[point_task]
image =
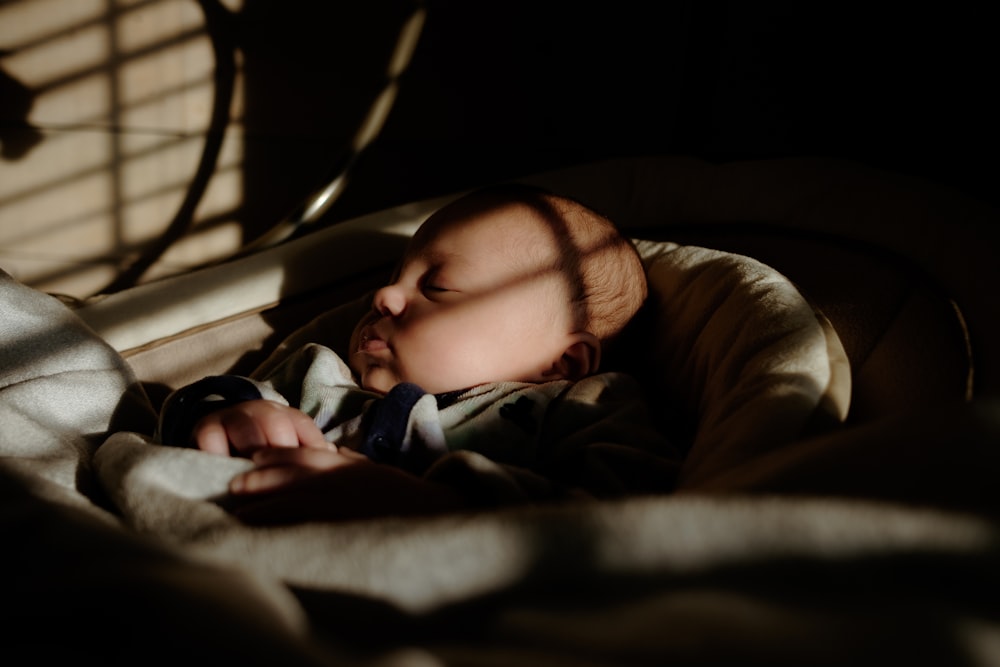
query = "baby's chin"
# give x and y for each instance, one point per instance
(377, 379)
(381, 379)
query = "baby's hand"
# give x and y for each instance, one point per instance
(253, 425)
(305, 484)
(278, 468)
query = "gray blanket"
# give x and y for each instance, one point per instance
(118, 549)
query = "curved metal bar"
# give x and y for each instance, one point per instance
(320, 201)
(314, 206)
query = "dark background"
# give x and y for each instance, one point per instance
(503, 89)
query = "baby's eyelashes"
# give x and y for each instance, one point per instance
(439, 293)
(432, 284)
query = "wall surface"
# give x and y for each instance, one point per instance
(127, 123)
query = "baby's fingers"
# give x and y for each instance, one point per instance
(261, 480)
(311, 458)
(279, 467)
(308, 434)
(210, 436)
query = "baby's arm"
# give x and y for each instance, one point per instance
(253, 425)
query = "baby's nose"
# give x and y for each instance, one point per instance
(389, 301)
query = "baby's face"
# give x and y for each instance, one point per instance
(468, 306)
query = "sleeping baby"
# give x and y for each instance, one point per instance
(472, 381)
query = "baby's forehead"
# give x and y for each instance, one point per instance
(486, 244)
(501, 219)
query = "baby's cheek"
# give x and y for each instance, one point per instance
(436, 365)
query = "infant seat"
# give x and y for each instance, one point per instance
(896, 339)
(842, 463)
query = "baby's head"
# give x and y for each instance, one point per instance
(506, 283)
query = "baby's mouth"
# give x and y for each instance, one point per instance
(370, 340)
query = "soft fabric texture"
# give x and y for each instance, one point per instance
(61, 390)
(738, 349)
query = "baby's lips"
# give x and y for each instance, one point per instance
(370, 341)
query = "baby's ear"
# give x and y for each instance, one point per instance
(581, 357)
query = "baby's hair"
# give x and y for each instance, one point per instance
(603, 267)
(611, 279)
